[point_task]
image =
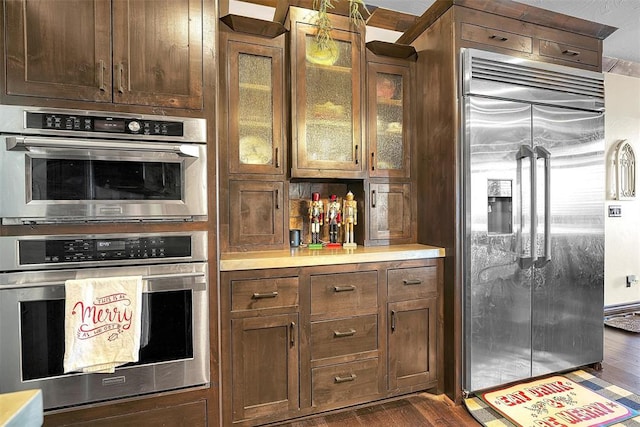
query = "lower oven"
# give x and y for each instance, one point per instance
(174, 343)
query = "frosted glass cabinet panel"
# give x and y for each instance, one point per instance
(388, 136)
(255, 114)
(326, 103)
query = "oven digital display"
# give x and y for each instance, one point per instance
(110, 245)
(108, 125)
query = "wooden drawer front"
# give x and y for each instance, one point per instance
(502, 39)
(344, 336)
(345, 382)
(568, 53)
(412, 283)
(264, 293)
(344, 293)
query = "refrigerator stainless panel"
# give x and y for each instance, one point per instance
(568, 289)
(497, 291)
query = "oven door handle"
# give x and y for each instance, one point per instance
(161, 283)
(18, 143)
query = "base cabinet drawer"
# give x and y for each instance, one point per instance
(412, 283)
(344, 293)
(344, 336)
(346, 382)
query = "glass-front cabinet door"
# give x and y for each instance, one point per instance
(326, 102)
(388, 121)
(256, 80)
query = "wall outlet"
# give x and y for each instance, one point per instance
(631, 280)
(615, 211)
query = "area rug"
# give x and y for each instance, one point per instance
(579, 400)
(627, 321)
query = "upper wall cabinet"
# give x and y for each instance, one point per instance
(327, 101)
(255, 104)
(127, 52)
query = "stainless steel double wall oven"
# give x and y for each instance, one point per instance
(71, 167)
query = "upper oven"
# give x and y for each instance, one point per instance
(82, 166)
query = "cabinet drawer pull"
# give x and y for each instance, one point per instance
(349, 333)
(277, 158)
(499, 38)
(101, 85)
(412, 282)
(356, 155)
(277, 199)
(120, 75)
(570, 52)
(339, 380)
(257, 295)
(344, 288)
(292, 332)
(373, 161)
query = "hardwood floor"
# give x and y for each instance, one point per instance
(621, 366)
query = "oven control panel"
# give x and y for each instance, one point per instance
(53, 251)
(101, 124)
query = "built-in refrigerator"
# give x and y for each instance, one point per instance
(533, 197)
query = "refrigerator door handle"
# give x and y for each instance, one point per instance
(543, 153)
(525, 262)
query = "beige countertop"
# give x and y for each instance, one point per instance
(21, 409)
(303, 257)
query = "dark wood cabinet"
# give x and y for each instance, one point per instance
(116, 51)
(298, 341)
(327, 99)
(412, 334)
(253, 141)
(59, 49)
(389, 118)
(264, 365)
(256, 213)
(390, 213)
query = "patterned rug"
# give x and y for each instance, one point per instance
(627, 321)
(489, 417)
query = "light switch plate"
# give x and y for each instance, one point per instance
(615, 211)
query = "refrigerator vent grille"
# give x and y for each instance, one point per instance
(539, 78)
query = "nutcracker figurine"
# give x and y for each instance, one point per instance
(316, 218)
(349, 218)
(334, 219)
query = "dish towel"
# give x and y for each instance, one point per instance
(102, 323)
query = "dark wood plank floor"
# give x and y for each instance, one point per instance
(621, 366)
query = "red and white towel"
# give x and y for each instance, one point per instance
(102, 323)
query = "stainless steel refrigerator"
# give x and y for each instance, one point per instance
(533, 196)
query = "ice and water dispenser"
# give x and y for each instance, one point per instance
(499, 206)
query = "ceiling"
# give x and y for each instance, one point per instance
(623, 14)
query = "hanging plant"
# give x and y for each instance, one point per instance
(324, 40)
